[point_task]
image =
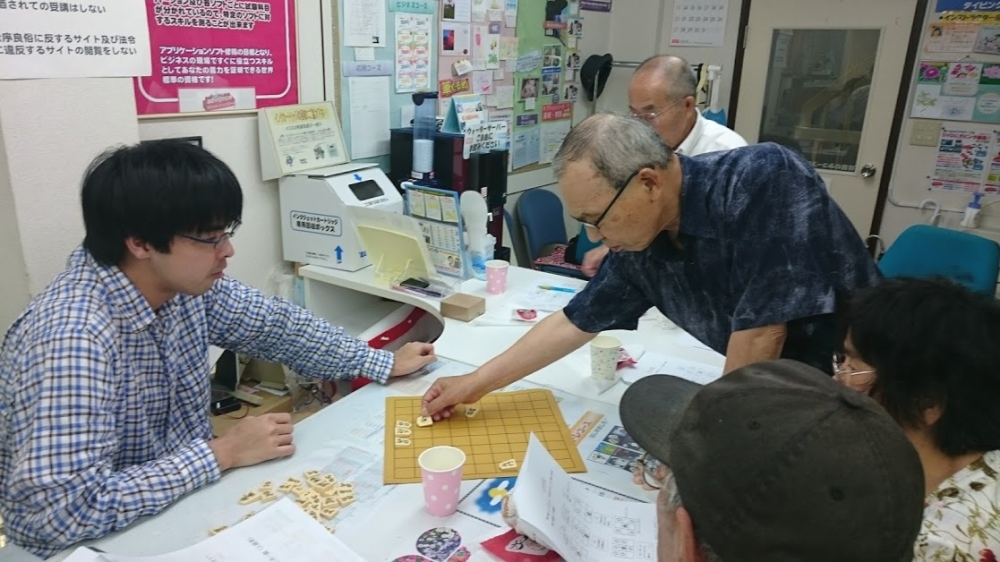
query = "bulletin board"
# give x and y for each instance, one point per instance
(498, 33)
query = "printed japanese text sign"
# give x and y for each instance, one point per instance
(219, 56)
(97, 38)
(968, 6)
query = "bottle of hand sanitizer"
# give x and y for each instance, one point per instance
(971, 218)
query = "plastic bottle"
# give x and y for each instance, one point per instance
(971, 218)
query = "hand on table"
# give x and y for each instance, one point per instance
(411, 358)
(253, 440)
(593, 259)
(448, 392)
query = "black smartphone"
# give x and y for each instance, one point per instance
(415, 283)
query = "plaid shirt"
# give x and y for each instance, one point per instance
(104, 402)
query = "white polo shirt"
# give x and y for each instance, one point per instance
(709, 136)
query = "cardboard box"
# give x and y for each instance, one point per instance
(463, 307)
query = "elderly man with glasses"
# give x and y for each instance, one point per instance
(104, 387)
(744, 249)
(662, 93)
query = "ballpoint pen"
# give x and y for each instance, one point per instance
(560, 289)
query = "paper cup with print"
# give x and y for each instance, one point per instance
(604, 359)
(441, 472)
(496, 276)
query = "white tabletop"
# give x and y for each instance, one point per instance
(344, 423)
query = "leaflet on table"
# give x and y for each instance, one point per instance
(579, 525)
(437, 212)
(279, 533)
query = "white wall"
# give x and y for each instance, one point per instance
(914, 165)
(641, 28)
(13, 274)
(52, 129)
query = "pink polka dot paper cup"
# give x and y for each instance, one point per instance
(496, 276)
(441, 472)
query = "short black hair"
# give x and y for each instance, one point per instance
(153, 191)
(932, 343)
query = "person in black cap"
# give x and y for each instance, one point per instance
(776, 462)
(927, 351)
(743, 249)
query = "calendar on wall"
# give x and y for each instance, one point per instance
(699, 23)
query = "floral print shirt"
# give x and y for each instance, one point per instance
(962, 517)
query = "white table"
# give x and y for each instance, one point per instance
(355, 301)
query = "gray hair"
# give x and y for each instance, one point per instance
(616, 145)
(675, 71)
(668, 501)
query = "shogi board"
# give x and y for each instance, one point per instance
(498, 432)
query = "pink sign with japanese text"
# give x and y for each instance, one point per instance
(219, 55)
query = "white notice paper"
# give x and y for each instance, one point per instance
(578, 523)
(279, 532)
(369, 115)
(699, 23)
(364, 23)
(27, 54)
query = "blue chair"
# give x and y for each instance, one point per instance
(541, 214)
(584, 244)
(929, 251)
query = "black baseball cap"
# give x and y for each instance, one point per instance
(777, 461)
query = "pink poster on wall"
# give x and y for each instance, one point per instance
(219, 56)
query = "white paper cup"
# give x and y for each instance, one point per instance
(604, 358)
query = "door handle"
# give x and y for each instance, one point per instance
(868, 170)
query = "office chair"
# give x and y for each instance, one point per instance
(541, 214)
(924, 251)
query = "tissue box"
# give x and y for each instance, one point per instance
(463, 307)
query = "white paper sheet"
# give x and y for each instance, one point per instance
(553, 133)
(364, 53)
(364, 23)
(580, 525)
(413, 52)
(369, 115)
(456, 39)
(280, 533)
(456, 10)
(699, 23)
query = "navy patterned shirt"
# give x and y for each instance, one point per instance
(763, 243)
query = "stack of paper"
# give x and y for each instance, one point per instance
(281, 532)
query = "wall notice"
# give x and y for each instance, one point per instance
(96, 38)
(961, 160)
(219, 56)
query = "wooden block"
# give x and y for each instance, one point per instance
(329, 512)
(424, 421)
(249, 497)
(508, 465)
(462, 307)
(321, 488)
(330, 528)
(290, 485)
(346, 500)
(471, 411)
(403, 432)
(268, 496)
(215, 531)
(311, 475)
(400, 442)
(403, 424)
(266, 485)
(345, 487)
(331, 501)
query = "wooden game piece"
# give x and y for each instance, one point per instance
(329, 512)
(249, 515)
(347, 499)
(321, 487)
(471, 411)
(249, 497)
(330, 528)
(403, 424)
(424, 421)
(400, 442)
(267, 496)
(331, 501)
(508, 465)
(311, 475)
(403, 432)
(290, 485)
(217, 530)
